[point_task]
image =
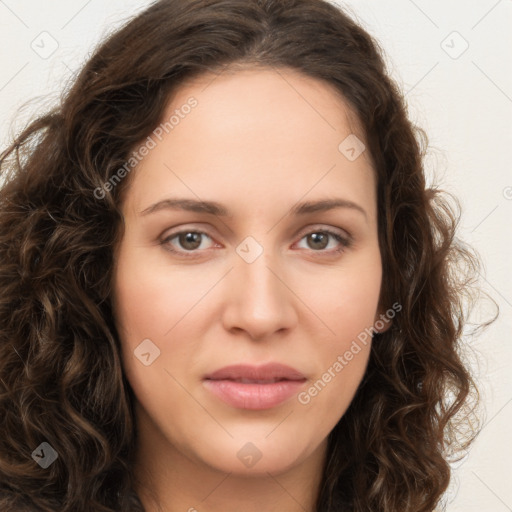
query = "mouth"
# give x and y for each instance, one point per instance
(254, 381)
(255, 388)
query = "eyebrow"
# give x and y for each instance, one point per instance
(214, 208)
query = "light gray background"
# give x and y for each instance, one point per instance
(462, 98)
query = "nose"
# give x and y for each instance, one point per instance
(259, 301)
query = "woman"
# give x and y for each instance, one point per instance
(225, 284)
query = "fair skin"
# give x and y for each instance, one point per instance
(258, 142)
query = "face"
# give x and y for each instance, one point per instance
(262, 276)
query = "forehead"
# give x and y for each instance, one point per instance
(270, 132)
(282, 90)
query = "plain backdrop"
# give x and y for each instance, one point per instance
(453, 62)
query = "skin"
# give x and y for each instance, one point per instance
(258, 141)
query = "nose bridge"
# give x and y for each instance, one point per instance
(259, 302)
(262, 288)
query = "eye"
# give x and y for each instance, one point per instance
(189, 243)
(189, 240)
(319, 240)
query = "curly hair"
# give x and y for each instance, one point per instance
(61, 377)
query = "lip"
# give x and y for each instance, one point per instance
(267, 371)
(254, 387)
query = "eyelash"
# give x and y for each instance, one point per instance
(345, 242)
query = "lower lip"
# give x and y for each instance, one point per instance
(254, 396)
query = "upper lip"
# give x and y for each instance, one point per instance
(269, 371)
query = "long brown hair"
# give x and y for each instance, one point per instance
(61, 379)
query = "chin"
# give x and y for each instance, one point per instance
(254, 456)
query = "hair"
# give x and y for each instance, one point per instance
(61, 377)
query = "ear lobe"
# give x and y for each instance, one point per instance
(381, 323)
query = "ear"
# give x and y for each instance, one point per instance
(382, 321)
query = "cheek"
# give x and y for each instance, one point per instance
(151, 299)
(345, 300)
(329, 396)
(140, 293)
(141, 305)
(156, 303)
(349, 309)
(348, 306)
(145, 306)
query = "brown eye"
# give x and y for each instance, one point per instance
(185, 241)
(318, 241)
(190, 240)
(188, 243)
